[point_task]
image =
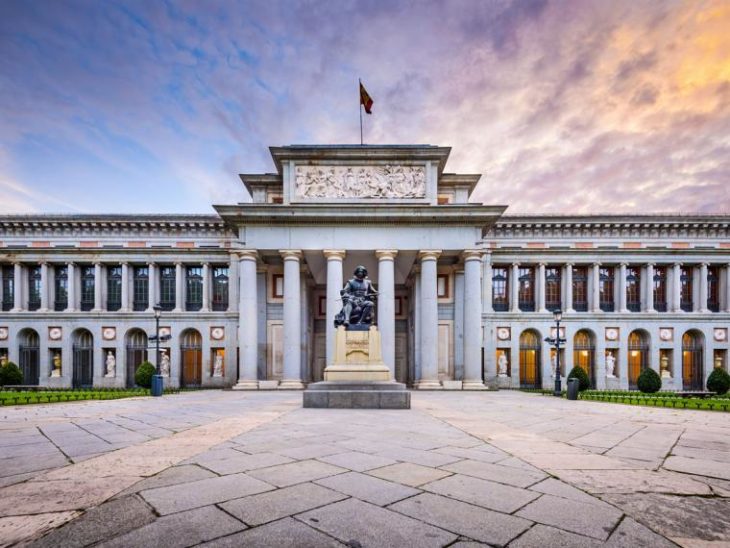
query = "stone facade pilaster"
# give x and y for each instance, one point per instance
(292, 320)
(335, 284)
(472, 321)
(429, 321)
(386, 305)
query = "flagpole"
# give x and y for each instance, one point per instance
(360, 107)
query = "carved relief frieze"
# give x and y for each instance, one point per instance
(354, 182)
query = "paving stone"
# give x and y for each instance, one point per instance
(284, 475)
(495, 472)
(181, 529)
(408, 473)
(352, 521)
(473, 454)
(177, 498)
(417, 456)
(488, 494)
(310, 451)
(174, 475)
(274, 505)
(552, 486)
(356, 461)
(704, 454)
(633, 534)
(463, 519)
(542, 536)
(32, 449)
(701, 467)
(18, 528)
(585, 519)
(514, 462)
(243, 463)
(106, 521)
(14, 466)
(635, 481)
(284, 533)
(368, 488)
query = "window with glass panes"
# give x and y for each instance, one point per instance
(114, 288)
(220, 288)
(685, 283)
(140, 288)
(500, 288)
(87, 287)
(34, 287)
(713, 289)
(552, 288)
(660, 289)
(193, 288)
(167, 287)
(580, 289)
(60, 286)
(526, 289)
(605, 287)
(633, 289)
(8, 288)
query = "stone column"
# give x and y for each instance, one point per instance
(596, 289)
(206, 288)
(44, 288)
(649, 285)
(334, 304)
(292, 320)
(568, 300)
(514, 284)
(17, 287)
(677, 287)
(233, 283)
(179, 288)
(622, 288)
(487, 283)
(152, 286)
(125, 287)
(71, 287)
(727, 288)
(472, 321)
(386, 305)
(247, 321)
(98, 304)
(541, 288)
(703, 288)
(429, 320)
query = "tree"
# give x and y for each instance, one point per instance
(584, 383)
(143, 376)
(10, 374)
(649, 381)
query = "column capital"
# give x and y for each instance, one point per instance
(246, 254)
(334, 254)
(678, 264)
(386, 254)
(651, 264)
(151, 263)
(570, 264)
(124, 263)
(598, 264)
(623, 264)
(542, 263)
(515, 264)
(472, 255)
(429, 254)
(291, 254)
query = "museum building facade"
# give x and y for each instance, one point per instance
(466, 293)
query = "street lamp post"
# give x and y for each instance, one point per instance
(156, 388)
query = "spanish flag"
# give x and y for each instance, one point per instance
(365, 99)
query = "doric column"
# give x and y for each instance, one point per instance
(487, 283)
(386, 305)
(125, 287)
(568, 299)
(429, 320)
(703, 288)
(292, 320)
(596, 289)
(44, 287)
(334, 303)
(622, 288)
(247, 321)
(71, 287)
(677, 287)
(98, 304)
(179, 288)
(472, 321)
(206, 288)
(152, 286)
(17, 287)
(514, 284)
(541, 288)
(649, 285)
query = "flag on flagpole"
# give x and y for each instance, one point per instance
(365, 99)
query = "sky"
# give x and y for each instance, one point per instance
(563, 106)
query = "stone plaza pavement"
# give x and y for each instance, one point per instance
(223, 468)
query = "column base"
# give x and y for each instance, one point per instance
(246, 385)
(291, 385)
(429, 385)
(474, 385)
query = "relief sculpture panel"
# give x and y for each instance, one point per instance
(336, 182)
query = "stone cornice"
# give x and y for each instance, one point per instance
(451, 180)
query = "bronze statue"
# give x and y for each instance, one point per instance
(358, 300)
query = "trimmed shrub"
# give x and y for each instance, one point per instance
(649, 381)
(10, 374)
(584, 383)
(143, 376)
(718, 381)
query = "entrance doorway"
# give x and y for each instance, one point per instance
(191, 359)
(136, 343)
(83, 359)
(530, 359)
(638, 356)
(692, 355)
(584, 353)
(29, 356)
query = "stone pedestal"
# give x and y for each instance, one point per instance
(358, 378)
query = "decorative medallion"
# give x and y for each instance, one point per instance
(666, 333)
(55, 333)
(3, 333)
(562, 332)
(165, 331)
(217, 333)
(108, 333)
(612, 333)
(503, 333)
(720, 334)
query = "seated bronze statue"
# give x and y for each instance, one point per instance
(358, 300)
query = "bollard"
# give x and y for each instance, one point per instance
(573, 385)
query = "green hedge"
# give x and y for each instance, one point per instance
(65, 395)
(661, 399)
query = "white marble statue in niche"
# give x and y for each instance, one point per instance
(111, 364)
(389, 181)
(610, 364)
(218, 365)
(165, 364)
(502, 364)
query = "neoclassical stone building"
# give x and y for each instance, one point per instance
(249, 295)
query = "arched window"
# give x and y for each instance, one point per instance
(692, 356)
(191, 358)
(83, 358)
(137, 353)
(530, 359)
(638, 358)
(29, 354)
(584, 353)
